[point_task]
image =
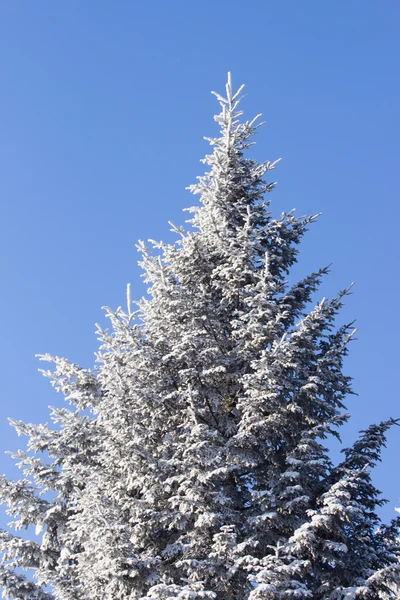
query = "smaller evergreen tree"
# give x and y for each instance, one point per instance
(55, 468)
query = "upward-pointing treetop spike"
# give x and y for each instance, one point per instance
(230, 96)
(228, 88)
(232, 100)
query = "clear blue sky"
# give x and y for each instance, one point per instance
(103, 106)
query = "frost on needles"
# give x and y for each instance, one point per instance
(191, 462)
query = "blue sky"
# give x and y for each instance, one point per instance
(103, 107)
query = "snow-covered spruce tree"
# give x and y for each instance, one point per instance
(202, 470)
(55, 467)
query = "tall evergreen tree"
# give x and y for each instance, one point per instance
(192, 463)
